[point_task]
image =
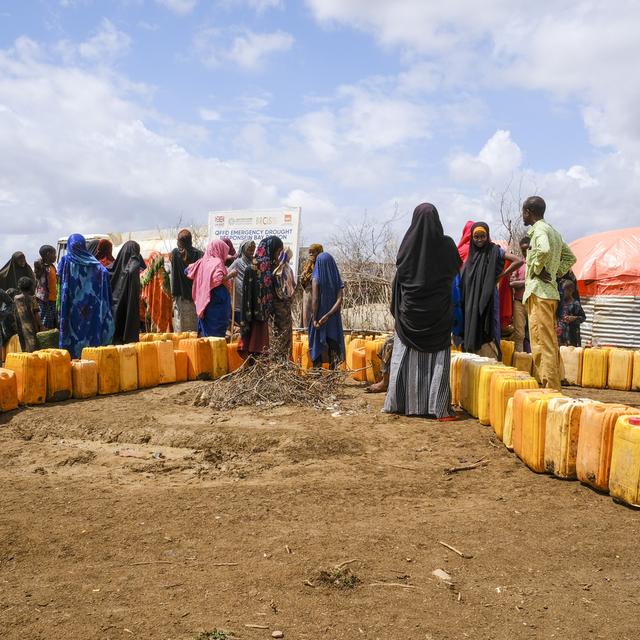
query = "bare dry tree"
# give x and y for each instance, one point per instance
(509, 203)
(366, 254)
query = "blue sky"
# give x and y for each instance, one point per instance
(134, 114)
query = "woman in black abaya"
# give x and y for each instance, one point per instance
(479, 294)
(421, 304)
(125, 284)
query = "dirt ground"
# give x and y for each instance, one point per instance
(142, 516)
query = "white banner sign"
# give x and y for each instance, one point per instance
(256, 224)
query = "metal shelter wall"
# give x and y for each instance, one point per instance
(611, 320)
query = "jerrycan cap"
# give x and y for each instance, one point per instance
(635, 421)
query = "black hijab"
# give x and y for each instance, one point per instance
(125, 285)
(478, 289)
(7, 318)
(426, 265)
(11, 273)
(180, 284)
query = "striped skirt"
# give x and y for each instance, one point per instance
(419, 382)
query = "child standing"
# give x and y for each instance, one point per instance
(571, 316)
(27, 315)
(47, 286)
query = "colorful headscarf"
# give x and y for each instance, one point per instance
(156, 293)
(208, 273)
(264, 265)
(259, 284)
(86, 317)
(465, 241)
(285, 278)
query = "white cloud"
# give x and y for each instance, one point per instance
(79, 155)
(108, 43)
(379, 121)
(260, 6)
(263, 5)
(250, 49)
(181, 7)
(496, 161)
(318, 129)
(319, 213)
(104, 47)
(246, 49)
(585, 51)
(209, 115)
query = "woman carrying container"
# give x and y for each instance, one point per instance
(258, 294)
(211, 290)
(421, 305)
(85, 302)
(326, 336)
(479, 294)
(126, 287)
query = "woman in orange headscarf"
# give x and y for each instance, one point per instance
(156, 295)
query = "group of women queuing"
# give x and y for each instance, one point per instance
(442, 293)
(94, 299)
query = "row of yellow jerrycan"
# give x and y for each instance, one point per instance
(234, 359)
(362, 355)
(596, 368)
(50, 375)
(597, 443)
(602, 367)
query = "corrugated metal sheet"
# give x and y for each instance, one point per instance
(611, 320)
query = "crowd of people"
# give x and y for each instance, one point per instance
(445, 294)
(93, 299)
(442, 294)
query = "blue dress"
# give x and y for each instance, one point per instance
(217, 315)
(86, 318)
(330, 337)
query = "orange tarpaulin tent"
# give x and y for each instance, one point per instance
(608, 263)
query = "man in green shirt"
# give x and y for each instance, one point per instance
(548, 258)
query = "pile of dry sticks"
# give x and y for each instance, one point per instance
(271, 382)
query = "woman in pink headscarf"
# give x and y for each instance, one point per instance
(211, 286)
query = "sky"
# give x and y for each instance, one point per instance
(138, 114)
